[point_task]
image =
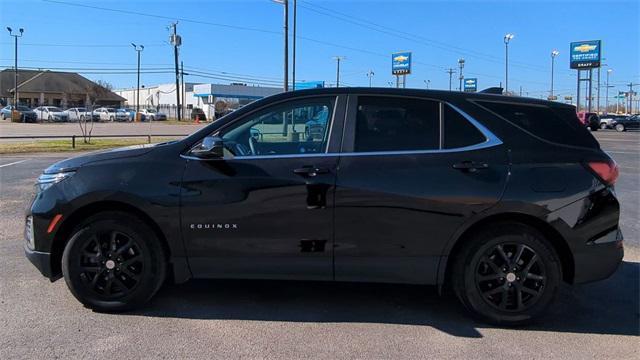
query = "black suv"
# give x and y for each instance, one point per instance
(498, 198)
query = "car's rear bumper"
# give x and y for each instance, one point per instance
(600, 257)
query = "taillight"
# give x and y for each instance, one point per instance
(607, 171)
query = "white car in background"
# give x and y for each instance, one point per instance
(153, 115)
(80, 113)
(50, 113)
(110, 114)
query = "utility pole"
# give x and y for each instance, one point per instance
(461, 77)
(370, 75)
(295, 16)
(138, 49)
(450, 71)
(183, 92)
(598, 93)
(338, 59)
(176, 41)
(507, 38)
(554, 53)
(631, 85)
(15, 67)
(606, 94)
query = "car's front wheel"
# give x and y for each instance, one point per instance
(507, 274)
(603, 126)
(113, 262)
(620, 128)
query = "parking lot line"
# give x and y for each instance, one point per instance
(13, 163)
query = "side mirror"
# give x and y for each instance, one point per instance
(211, 147)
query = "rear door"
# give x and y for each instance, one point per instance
(412, 171)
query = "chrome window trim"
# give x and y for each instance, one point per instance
(491, 140)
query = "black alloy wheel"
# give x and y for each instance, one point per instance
(506, 273)
(113, 262)
(509, 277)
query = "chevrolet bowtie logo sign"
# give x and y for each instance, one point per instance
(585, 48)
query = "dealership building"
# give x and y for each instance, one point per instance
(54, 88)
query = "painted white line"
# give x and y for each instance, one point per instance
(13, 163)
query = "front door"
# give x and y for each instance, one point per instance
(413, 170)
(266, 209)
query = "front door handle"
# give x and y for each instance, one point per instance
(310, 171)
(470, 166)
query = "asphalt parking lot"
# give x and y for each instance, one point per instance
(269, 319)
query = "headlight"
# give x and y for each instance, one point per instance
(46, 180)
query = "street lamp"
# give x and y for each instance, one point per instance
(507, 38)
(138, 49)
(286, 42)
(554, 53)
(461, 77)
(606, 94)
(15, 84)
(370, 75)
(427, 82)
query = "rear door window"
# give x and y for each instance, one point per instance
(396, 124)
(558, 125)
(459, 132)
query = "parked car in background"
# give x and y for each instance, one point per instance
(132, 114)
(110, 114)
(590, 120)
(80, 113)
(627, 123)
(51, 113)
(199, 113)
(315, 127)
(607, 120)
(153, 115)
(26, 114)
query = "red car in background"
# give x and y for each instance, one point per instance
(590, 120)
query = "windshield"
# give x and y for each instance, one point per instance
(110, 110)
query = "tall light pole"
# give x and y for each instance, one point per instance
(427, 82)
(507, 38)
(461, 77)
(15, 83)
(606, 94)
(554, 53)
(286, 42)
(370, 75)
(138, 49)
(338, 59)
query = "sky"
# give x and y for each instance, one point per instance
(242, 41)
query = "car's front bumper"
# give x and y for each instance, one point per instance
(41, 260)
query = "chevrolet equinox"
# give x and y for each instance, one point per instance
(500, 199)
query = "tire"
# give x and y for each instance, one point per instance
(82, 118)
(50, 118)
(100, 281)
(603, 126)
(4, 117)
(111, 119)
(479, 270)
(620, 128)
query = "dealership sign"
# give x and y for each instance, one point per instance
(585, 54)
(471, 85)
(401, 63)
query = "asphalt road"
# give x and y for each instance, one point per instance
(269, 319)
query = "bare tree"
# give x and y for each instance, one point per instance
(94, 92)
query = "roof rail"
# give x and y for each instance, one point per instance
(492, 90)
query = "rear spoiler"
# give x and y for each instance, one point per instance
(492, 90)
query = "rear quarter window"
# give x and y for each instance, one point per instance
(555, 124)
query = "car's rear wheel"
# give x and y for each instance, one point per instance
(507, 274)
(620, 128)
(603, 126)
(113, 262)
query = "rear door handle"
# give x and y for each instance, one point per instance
(470, 166)
(310, 171)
